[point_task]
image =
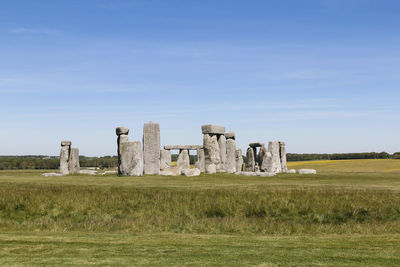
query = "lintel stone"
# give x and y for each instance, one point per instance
(121, 130)
(230, 135)
(258, 144)
(212, 129)
(66, 143)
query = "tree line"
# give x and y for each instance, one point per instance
(46, 162)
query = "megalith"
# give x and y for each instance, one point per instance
(131, 159)
(266, 165)
(122, 133)
(200, 163)
(183, 159)
(64, 156)
(282, 153)
(239, 160)
(274, 149)
(73, 161)
(151, 148)
(222, 150)
(212, 149)
(230, 165)
(250, 160)
(165, 159)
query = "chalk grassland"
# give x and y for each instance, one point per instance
(348, 214)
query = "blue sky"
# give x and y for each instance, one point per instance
(322, 75)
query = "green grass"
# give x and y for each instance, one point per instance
(347, 214)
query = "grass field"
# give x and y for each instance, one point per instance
(347, 214)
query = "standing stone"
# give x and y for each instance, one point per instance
(212, 152)
(239, 160)
(230, 165)
(267, 165)
(151, 148)
(274, 149)
(131, 159)
(222, 150)
(261, 154)
(73, 161)
(250, 160)
(282, 153)
(200, 163)
(165, 159)
(64, 157)
(183, 159)
(122, 133)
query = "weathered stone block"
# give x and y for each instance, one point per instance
(222, 150)
(183, 159)
(64, 157)
(230, 165)
(307, 171)
(250, 160)
(151, 148)
(274, 149)
(165, 159)
(239, 160)
(230, 135)
(212, 129)
(191, 172)
(200, 163)
(257, 144)
(211, 151)
(122, 130)
(282, 153)
(66, 143)
(131, 159)
(73, 161)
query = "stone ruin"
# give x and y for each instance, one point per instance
(69, 159)
(217, 154)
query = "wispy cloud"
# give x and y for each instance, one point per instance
(42, 31)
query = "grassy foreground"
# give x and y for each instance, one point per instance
(348, 214)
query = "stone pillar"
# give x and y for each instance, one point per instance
(212, 151)
(73, 161)
(274, 149)
(131, 159)
(222, 150)
(250, 160)
(183, 159)
(261, 154)
(151, 148)
(267, 165)
(122, 133)
(165, 159)
(282, 153)
(230, 156)
(64, 156)
(200, 163)
(239, 160)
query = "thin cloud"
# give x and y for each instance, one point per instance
(41, 31)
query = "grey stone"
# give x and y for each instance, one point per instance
(211, 169)
(230, 165)
(90, 172)
(274, 149)
(256, 167)
(73, 161)
(191, 172)
(52, 174)
(183, 159)
(265, 174)
(200, 163)
(121, 139)
(165, 159)
(172, 171)
(282, 153)
(250, 160)
(230, 135)
(180, 147)
(222, 150)
(122, 130)
(257, 144)
(132, 159)
(261, 154)
(212, 152)
(307, 171)
(248, 173)
(151, 148)
(291, 171)
(64, 157)
(66, 143)
(212, 129)
(109, 172)
(267, 165)
(239, 160)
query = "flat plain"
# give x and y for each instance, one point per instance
(347, 214)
